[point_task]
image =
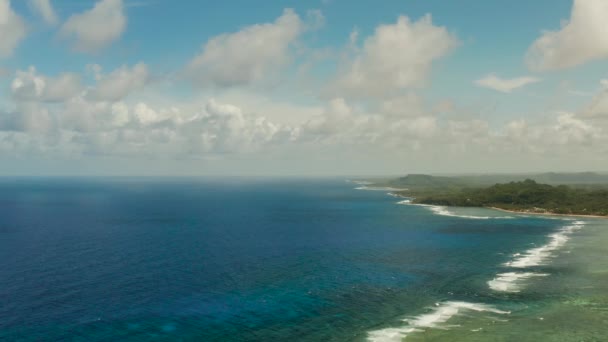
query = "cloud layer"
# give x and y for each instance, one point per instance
(59, 117)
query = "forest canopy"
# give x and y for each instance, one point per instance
(527, 195)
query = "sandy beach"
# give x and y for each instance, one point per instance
(545, 214)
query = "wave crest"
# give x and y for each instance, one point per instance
(511, 281)
(435, 319)
(538, 256)
(444, 211)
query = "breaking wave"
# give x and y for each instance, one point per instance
(434, 319)
(512, 281)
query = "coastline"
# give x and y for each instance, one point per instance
(551, 317)
(520, 212)
(518, 275)
(545, 214)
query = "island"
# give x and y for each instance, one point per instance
(569, 194)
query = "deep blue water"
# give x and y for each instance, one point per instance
(232, 260)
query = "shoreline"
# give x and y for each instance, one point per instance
(509, 211)
(545, 214)
(521, 274)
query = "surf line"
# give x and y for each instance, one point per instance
(443, 311)
(512, 281)
(436, 209)
(443, 211)
(434, 319)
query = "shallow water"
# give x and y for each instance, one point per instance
(191, 260)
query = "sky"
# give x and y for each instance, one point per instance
(302, 88)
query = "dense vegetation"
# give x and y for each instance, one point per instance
(527, 195)
(418, 181)
(583, 193)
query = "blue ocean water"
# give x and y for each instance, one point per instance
(235, 259)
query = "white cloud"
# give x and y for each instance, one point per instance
(343, 125)
(30, 118)
(584, 38)
(79, 115)
(225, 128)
(422, 127)
(120, 82)
(517, 130)
(492, 81)
(573, 130)
(12, 29)
(29, 86)
(598, 106)
(120, 114)
(248, 55)
(97, 27)
(316, 19)
(337, 118)
(44, 8)
(396, 57)
(406, 105)
(278, 110)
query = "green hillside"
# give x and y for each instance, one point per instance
(429, 182)
(527, 195)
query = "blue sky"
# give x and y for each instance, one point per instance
(302, 87)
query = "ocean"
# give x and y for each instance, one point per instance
(127, 259)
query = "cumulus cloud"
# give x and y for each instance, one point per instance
(336, 118)
(599, 105)
(572, 129)
(398, 56)
(405, 105)
(492, 81)
(119, 83)
(30, 86)
(96, 28)
(12, 29)
(248, 55)
(582, 39)
(29, 118)
(224, 128)
(44, 8)
(342, 124)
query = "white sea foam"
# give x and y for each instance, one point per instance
(511, 281)
(359, 182)
(443, 211)
(379, 188)
(435, 319)
(539, 255)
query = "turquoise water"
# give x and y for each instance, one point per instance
(306, 260)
